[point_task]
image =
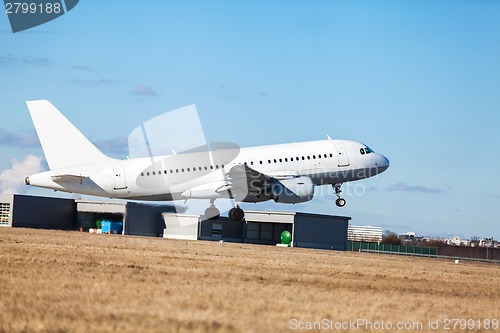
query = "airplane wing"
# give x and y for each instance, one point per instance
(243, 181)
(240, 182)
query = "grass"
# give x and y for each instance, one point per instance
(57, 281)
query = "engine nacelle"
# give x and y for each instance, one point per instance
(294, 190)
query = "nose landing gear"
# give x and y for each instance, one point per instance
(340, 202)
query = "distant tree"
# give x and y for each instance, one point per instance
(390, 238)
(407, 242)
(474, 241)
(433, 243)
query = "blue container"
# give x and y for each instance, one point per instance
(111, 227)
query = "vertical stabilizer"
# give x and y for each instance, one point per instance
(62, 143)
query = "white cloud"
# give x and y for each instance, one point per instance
(116, 147)
(98, 82)
(403, 187)
(82, 68)
(12, 180)
(142, 90)
(37, 61)
(30, 139)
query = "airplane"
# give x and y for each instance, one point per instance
(286, 173)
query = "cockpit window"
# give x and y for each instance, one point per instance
(365, 150)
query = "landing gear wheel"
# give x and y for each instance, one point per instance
(236, 214)
(212, 213)
(340, 202)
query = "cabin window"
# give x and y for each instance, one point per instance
(331, 155)
(171, 171)
(286, 159)
(211, 167)
(319, 156)
(142, 174)
(260, 162)
(269, 161)
(326, 156)
(177, 170)
(308, 157)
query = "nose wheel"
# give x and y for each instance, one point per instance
(340, 202)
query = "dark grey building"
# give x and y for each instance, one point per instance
(262, 227)
(139, 219)
(26, 211)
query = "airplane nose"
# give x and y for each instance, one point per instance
(382, 163)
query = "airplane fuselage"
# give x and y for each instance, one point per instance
(199, 175)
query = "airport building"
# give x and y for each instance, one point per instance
(138, 219)
(357, 233)
(25, 211)
(142, 219)
(265, 227)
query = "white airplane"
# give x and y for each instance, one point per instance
(285, 173)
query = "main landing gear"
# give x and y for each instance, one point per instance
(340, 202)
(236, 214)
(212, 213)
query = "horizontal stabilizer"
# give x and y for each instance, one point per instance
(68, 179)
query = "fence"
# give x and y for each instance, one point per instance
(403, 249)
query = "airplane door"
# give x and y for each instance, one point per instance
(342, 155)
(119, 177)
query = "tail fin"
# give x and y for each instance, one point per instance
(63, 144)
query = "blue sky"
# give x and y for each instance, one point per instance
(418, 81)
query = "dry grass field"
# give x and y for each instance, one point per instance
(56, 281)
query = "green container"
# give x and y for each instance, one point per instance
(286, 237)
